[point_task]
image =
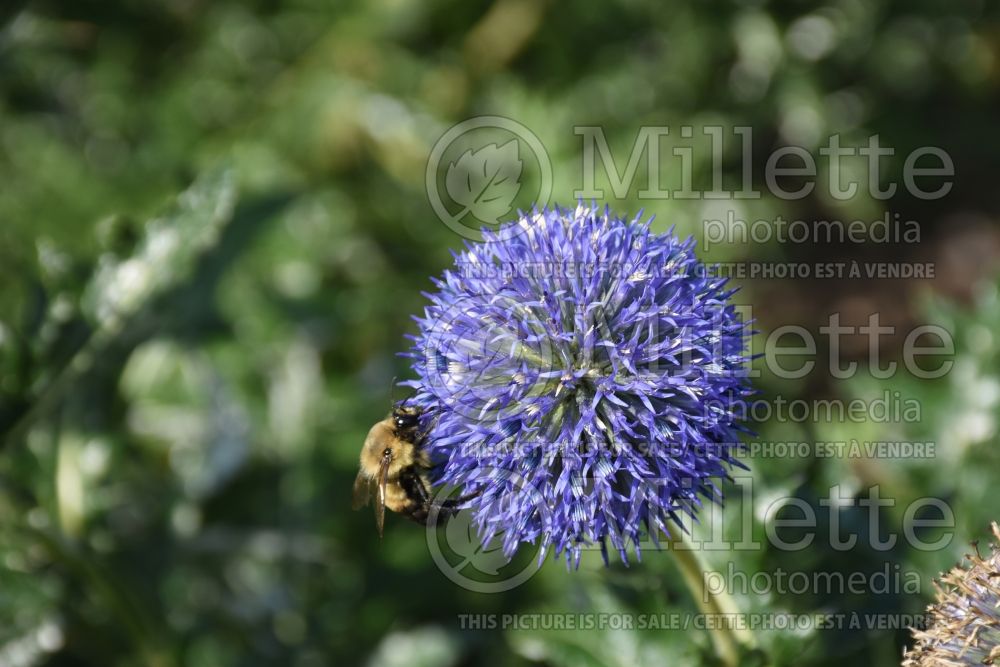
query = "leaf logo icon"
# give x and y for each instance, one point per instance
(462, 539)
(485, 182)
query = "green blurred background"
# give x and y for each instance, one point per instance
(186, 380)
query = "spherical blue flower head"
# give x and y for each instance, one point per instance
(585, 376)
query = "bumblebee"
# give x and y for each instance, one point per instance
(394, 469)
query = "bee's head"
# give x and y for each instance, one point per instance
(405, 418)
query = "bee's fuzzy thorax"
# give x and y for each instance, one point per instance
(381, 436)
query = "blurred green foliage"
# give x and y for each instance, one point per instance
(186, 380)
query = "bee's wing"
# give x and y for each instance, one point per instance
(362, 490)
(383, 480)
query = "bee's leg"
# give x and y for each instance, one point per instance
(423, 508)
(419, 497)
(452, 506)
(454, 502)
(418, 514)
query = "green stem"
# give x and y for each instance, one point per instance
(727, 637)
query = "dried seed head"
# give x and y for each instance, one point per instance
(964, 624)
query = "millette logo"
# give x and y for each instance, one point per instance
(477, 169)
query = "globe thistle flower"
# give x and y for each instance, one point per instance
(964, 624)
(584, 376)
